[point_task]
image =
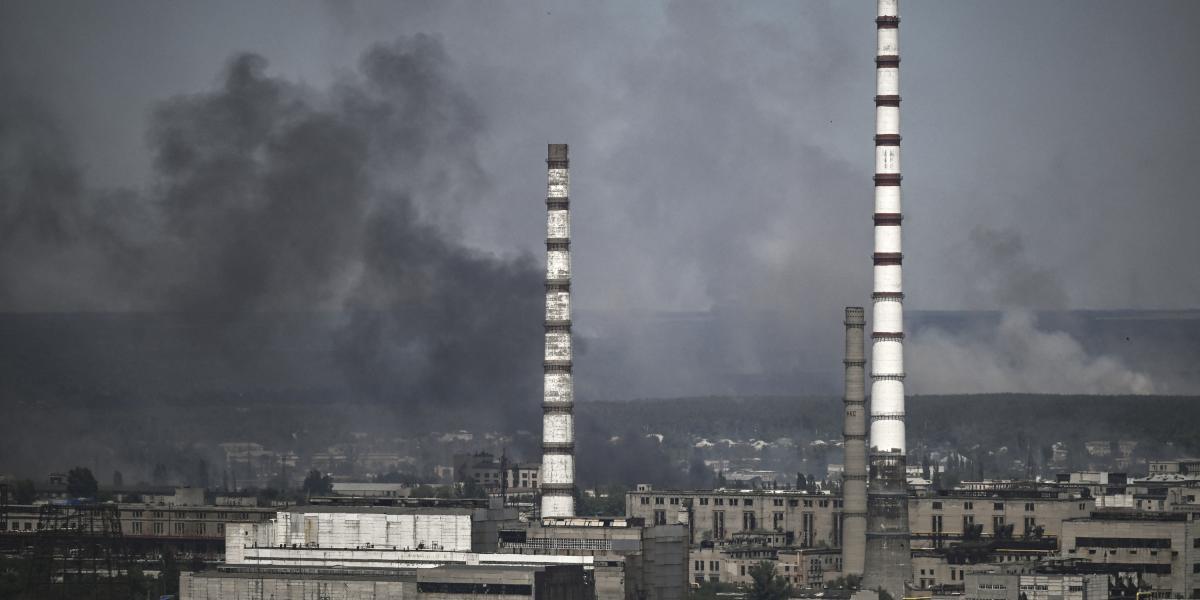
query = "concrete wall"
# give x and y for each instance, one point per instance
(813, 520)
(212, 586)
(1046, 512)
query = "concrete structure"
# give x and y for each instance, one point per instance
(566, 582)
(628, 559)
(887, 549)
(944, 518)
(355, 489)
(1161, 550)
(1035, 586)
(558, 426)
(346, 546)
(487, 471)
(854, 435)
(804, 520)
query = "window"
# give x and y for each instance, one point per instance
(658, 500)
(733, 501)
(136, 527)
(179, 528)
(675, 501)
(719, 524)
(699, 566)
(719, 501)
(158, 514)
(823, 504)
(793, 503)
(704, 502)
(937, 506)
(997, 524)
(158, 528)
(808, 503)
(220, 528)
(1030, 525)
(778, 502)
(645, 500)
(777, 521)
(714, 565)
(747, 502)
(936, 524)
(749, 522)
(968, 506)
(660, 517)
(997, 506)
(1029, 506)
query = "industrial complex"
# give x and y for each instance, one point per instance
(875, 530)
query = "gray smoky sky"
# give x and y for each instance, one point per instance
(721, 171)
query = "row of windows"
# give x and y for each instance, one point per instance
(713, 565)
(183, 514)
(159, 528)
(1029, 506)
(792, 502)
(1115, 542)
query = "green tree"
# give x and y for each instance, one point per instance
(81, 483)
(709, 590)
(471, 489)
(317, 484)
(766, 584)
(423, 491)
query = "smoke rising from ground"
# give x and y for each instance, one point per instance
(271, 197)
(1016, 356)
(721, 176)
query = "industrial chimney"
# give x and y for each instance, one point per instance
(558, 427)
(854, 436)
(888, 561)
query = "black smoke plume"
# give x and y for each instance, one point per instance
(283, 223)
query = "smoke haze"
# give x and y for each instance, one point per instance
(377, 169)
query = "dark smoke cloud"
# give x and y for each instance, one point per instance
(271, 197)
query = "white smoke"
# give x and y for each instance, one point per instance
(1016, 357)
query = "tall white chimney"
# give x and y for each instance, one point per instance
(558, 401)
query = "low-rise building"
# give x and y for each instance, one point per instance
(946, 516)
(1035, 586)
(1161, 548)
(805, 520)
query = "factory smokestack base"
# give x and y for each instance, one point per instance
(888, 558)
(558, 389)
(854, 434)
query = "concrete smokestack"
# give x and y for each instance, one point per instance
(558, 389)
(888, 560)
(854, 435)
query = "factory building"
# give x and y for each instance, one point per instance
(1161, 550)
(943, 518)
(805, 520)
(305, 550)
(1035, 586)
